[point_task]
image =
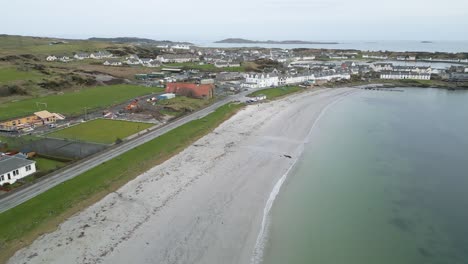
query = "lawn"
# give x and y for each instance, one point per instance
(44, 165)
(73, 103)
(101, 130)
(272, 93)
(12, 74)
(24, 223)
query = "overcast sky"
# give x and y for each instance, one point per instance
(254, 19)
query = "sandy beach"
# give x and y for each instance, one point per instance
(204, 205)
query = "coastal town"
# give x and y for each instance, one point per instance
(110, 109)
(202, 76)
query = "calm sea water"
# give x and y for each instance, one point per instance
(441, 46)
(383, 180)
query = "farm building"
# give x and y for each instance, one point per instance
(13, 168)
(201, 91)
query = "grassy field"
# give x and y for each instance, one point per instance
(276, 92)
(73, 103)
(11, 74)
(22, 224)
(101, 130)
(12, 45)
(43, 164)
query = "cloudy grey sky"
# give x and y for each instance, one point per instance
(254, 19)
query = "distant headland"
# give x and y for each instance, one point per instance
(247, 41)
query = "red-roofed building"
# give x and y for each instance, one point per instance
(202, 91)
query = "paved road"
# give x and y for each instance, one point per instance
(29, 192)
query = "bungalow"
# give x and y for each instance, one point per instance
(152, 64)
(15, 168)
(261, 80)
(201, 91)
(64, 58)
(398, 75)
(51, 58)
(100, 55)
(132, 61)
(112, 62)
(177, 58)
(81, 56)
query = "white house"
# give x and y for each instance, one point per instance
(15, 168)
(177, 58)
(181, 46)
(398, 75)
(382, 67)
(332, 75)
(100, 55)
(376, 57)
(81, 56)
(51, 58)
(261, 80)
(112, 62)
(295, 79)
(64, 58)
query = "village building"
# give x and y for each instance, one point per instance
(177, 58)
(51, 58)
(112, 62)
(200, 91)
(295, 79)
(81, 56)
(13, 168)
(64, 58)
(132, 61)
(261, 80)
(181, 46)
(378, 67)
(398, 75)
(37, 119)
(375, 57)
(100, 55)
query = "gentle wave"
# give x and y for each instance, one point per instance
(257, 256)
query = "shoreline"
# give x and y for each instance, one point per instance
(203, 205)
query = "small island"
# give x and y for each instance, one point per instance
(247, 41)
(426, 42)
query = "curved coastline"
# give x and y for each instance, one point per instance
(205, 205)
(257, 256)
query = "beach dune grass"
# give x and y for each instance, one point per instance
(43, 213)
(103, 131)
(272, 93)
(73, 103)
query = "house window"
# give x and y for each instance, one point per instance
(15, 172)
(9, 176)
(2, 178)
(28, 168)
